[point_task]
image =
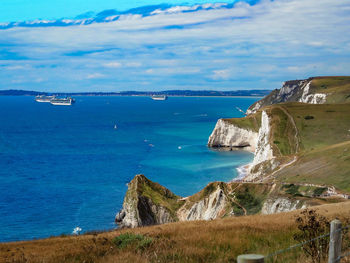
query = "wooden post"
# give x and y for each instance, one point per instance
(335, 242)
(250, 258)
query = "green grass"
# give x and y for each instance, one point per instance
(159, 195)
(337, 88)
(251, 122)
(130, 239)
(292, 189)
(283, 132)
(329, 165)
(330, 123)
(252, 203)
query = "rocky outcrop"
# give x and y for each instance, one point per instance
(312, 98)
(281, 204)
(207, 208)
(263, 156)
(263, 151)
(228, 135)
(146, 203)
(291, 91)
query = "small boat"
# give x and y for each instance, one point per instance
(43, 98)
(159, 97)
(115, 126)
(62, 101)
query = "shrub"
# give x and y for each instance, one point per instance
(319, 190)
(129, 239)
(312, 225)
(249, 202)
(309, 117)
(292, 189)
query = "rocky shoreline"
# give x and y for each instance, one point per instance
(254, 190)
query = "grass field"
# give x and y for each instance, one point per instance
(198, 241)
(251, 122)
(337, 88)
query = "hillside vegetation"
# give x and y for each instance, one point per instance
(198, 241)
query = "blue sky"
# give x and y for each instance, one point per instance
(21, 10)
(245, 45)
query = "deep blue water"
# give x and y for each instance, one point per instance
(62, 167)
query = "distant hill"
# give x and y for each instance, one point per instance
(315, 90)
(255, 93)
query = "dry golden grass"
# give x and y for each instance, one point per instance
(197, 241)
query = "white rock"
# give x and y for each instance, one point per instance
(316, 98)
(226, 134)
(206, 209)
(278, 205)
(263, 151)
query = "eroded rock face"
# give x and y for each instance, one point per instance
(228, 135)
(279, 204)
(294, 90)
(148, 203)
(263, 155)
(208, 208)
(263, 151)
(312, 98)
(139, 209)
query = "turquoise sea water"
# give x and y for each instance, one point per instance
(63, 167)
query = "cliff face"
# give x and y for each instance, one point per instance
(291, 91)
(148, 203)
(263, 155)
(233, 133)
(230, 136)
(281, 204)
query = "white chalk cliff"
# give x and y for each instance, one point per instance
(208, 208)
(281, 204)
(263, 151)
(312, 98)
(228, 135)
(294, 90)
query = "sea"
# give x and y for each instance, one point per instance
(63, 167)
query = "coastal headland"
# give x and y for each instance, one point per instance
(300, 136)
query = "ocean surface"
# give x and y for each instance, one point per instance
(67, 166)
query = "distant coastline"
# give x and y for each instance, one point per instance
(173, 93)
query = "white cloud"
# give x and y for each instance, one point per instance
(112, 65)
(221, 74)
(242, 46)
(95, 76)
(133, 64)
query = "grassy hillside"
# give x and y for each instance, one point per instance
(322, 133)
(318, 125)
(251, 122)
(337, 88)
(329, 165)
(199, 241)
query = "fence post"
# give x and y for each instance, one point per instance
(250, 258)
(335, 242)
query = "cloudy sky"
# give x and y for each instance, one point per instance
(114, 45)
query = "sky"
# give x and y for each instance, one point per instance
(21, 10)
(75, 45)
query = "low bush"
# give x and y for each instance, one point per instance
(129, 239)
